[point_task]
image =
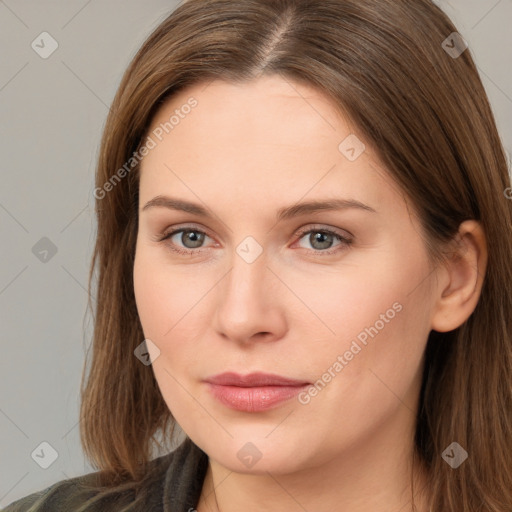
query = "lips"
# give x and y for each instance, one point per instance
(255, 392)
(256, 379)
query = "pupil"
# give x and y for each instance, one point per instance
(321, 238)
(194, 237)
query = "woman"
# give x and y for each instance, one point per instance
(304, 259)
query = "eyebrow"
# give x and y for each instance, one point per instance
(282, 214)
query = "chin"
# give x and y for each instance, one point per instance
(255, 454)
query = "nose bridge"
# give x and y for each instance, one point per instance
(248, 278)
(247, 302)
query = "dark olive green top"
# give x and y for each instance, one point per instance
(172, 484)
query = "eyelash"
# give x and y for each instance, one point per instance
(189, 252)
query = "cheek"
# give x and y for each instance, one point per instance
(170, 301)
(165, 304)
(369, 370)
(368, 329)
(372, 332)
(148, 296)
(161, 296)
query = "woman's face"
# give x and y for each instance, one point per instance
(337, 297)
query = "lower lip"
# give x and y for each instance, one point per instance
(254, 399)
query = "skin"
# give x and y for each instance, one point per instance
(244, 152)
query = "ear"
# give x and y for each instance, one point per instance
(462, 278)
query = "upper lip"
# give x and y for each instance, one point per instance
(253, 380)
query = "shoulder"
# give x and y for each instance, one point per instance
(64, 495)
(173, 478)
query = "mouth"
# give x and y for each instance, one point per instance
(254, 392)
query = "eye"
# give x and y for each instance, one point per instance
(322, 239)
(190, 237)
(189, 240)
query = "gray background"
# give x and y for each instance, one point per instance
(52, 112)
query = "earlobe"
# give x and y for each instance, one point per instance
(458, 295)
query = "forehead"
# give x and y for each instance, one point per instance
(270, 109)
(270, 137)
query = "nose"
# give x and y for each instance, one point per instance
(249, 303)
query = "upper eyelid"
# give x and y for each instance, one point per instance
(188, 227)
(320, 227)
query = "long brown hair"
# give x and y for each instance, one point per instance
(386, 65)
